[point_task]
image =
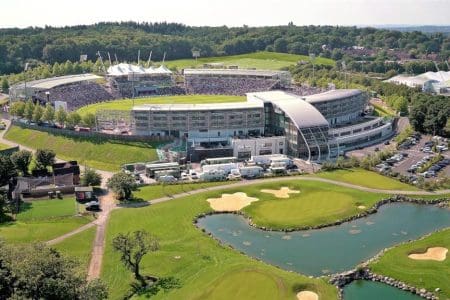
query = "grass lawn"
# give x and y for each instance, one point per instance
(151, 192)
(42, 220)
(206, 269)
(367, 179)
(99, 153)
(317, 203)
(79, 247)
(127, 104)
(258, 60)
(422, 274)
(3, 146)
(45, 209)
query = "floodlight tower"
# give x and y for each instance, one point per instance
(149, 59)
(312, 57)
(25, 80)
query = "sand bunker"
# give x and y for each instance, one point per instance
(307, 295)
(282, 192)
(361, 207)
(434, 253)
(231, 202)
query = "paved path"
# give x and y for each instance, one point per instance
(95, 265)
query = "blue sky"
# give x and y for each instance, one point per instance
(23, 13)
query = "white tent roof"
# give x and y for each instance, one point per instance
(126, 69)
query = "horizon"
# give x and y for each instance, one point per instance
(234, 13)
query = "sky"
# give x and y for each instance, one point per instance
(25, 13)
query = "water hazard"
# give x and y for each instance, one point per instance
(369, 290)
(329, 250)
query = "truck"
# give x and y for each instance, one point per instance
(251, 171)
(213, 175)
(224, 167)
(267, 160)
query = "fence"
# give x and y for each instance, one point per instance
(93, 134)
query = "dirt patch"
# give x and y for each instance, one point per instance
(307, 295)
(434, 253)
(231, 202)
(281, 193)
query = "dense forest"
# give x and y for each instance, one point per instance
(50, 45)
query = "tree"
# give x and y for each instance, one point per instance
(122, 184)
(29, 110)
(280, 45)
(5, 85)
(89, 120)
(7, 170)
(38, 272)
(37, 113)
(73, 119)
(21, 160)
(133, 247)
(61, 116)
(91, 178)
(17, 109)
(49, 113)
(44, 158)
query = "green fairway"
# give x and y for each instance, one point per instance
(99, 153)
(317, 203)
(78, 246)
(427, 274)
(367, 179)
(259, 60)
(127, 104)
(206, 269)
(151, 192)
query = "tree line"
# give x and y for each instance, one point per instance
(125, 39)
(36, 113)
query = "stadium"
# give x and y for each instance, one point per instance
(276, 118)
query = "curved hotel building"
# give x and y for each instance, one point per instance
(315, 128)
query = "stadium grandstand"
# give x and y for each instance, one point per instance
(234, 81)
(135, 81)
(429, 82)
(75, 90)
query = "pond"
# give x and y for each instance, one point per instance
(333, 249)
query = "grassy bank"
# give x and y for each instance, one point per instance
(367, 179)
(427, 274)
(206, 269)
(127, 104)
(99, 153)
(3, 146)
(259, 60)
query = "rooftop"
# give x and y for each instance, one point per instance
(206, 106)
(331, 95)
(128, 69)
(302, 113)
(49, 83)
